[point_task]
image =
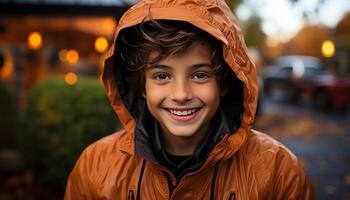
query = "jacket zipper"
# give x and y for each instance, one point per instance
(212, 189)
(171, 187)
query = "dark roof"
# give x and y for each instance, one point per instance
(113, 8)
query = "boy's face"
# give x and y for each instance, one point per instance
(182, 92)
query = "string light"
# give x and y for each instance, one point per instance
(101, 44)
(328, 48)
(72, 56)
(71, 78)
(35, 40)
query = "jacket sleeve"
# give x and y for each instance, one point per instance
(291, 181)
(78, 186)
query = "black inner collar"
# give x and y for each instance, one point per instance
(148, 143)
(181, 165)
(175, 159)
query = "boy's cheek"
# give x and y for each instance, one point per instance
(211, 90)
(154, 94)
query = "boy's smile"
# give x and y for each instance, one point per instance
(183, 94)
(183, 114)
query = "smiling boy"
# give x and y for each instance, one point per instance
(182, 85)
(183, 94)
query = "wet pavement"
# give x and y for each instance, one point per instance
(320, 140)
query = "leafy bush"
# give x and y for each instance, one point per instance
(7, 117)
(59, 121)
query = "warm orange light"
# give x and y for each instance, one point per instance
(328, 49)
(62, 55)
(35, 40)
(7, 69)
(72, 56)
(101, 44)
(71, 78)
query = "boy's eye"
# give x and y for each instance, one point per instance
(161, 77)
(201, 76)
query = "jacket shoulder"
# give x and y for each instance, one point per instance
(102, 152)
(277, 170)
(108, 143)
(267, 155)
(92, 167)
(260, 143)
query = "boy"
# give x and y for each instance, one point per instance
(185, 90)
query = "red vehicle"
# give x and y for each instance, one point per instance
(299, 77)
(330, 91)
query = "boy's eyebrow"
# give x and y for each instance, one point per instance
(202, 65)
(163, 66)
(157, 66)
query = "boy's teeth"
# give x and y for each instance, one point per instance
(182, 113)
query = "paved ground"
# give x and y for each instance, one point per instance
(320, 140)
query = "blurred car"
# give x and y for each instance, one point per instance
(296, 77)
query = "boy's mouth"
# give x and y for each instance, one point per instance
(183, 112)
(183, 115)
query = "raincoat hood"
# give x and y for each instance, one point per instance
(212, 16)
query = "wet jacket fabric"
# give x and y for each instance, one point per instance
(241, 163)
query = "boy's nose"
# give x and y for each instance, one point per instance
(181, 91)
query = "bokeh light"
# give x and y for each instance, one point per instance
(35, 40)
(62, 55)
(101, 44)
(71, 78)
(72, 56)
(7, 69)
(328, 49)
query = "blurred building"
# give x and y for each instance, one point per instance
(342, 35)
(310, 41)
(46, 38)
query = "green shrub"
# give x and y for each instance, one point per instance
(7, 117)
(59, 121)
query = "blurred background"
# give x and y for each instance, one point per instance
(52, 101)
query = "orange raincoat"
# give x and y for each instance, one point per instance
(245, 164)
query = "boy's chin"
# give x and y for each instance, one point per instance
(183, 132)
